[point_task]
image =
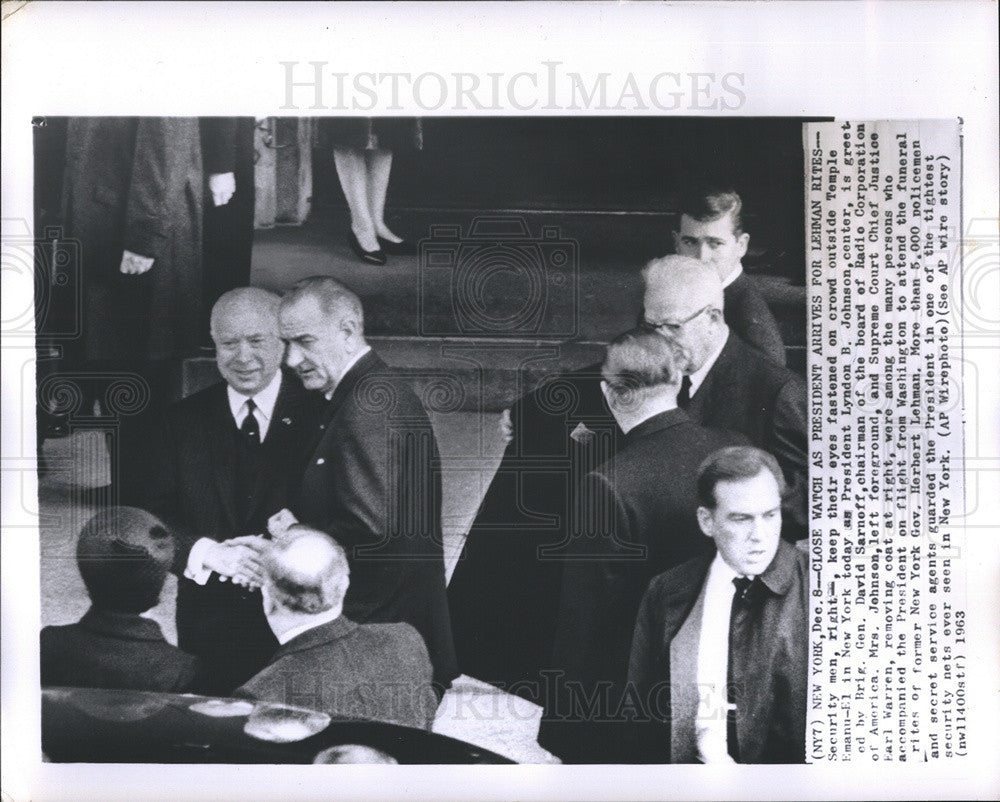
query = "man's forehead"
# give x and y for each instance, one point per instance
(721, 227)
(245, 317)
(303, 312)
(759, 490)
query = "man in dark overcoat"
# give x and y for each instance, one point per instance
(218, 465)
(372, 476)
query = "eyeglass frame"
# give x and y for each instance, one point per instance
(673, 327)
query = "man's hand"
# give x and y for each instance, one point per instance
(278, 523)
(134, 264)
(506, 427)
(222, 186)
(239, 559)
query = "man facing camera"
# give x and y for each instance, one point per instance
(369, 478)
(326, 661)
(719, 653)
(223, 461)
(123, 555)
(711, 229)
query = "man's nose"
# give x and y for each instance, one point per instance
(243, 351)
(703, 252)
(293, 356)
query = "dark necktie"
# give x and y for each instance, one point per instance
(734, 672)
(684, 395)
(249, 427)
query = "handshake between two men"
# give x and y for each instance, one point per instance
(241, 559)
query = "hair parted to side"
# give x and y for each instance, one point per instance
(731, 465)
(335, 299)
(638, 360)
(707, 201)
(308, 571)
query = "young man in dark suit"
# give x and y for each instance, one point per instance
(326, 661)
(370, 476)
(710, 228)
(637, 518)
(123, 555)
(719, 661)
(223, 461)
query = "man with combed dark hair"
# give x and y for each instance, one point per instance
(326, 661)
(640, 505)
(123, 555)
(720, 648)
(710, 228)
(369, 477)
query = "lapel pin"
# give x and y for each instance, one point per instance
(286, 421)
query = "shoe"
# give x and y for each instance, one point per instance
(401, 248)
(371, 257)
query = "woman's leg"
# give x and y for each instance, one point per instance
(379, 166)
(353, 174)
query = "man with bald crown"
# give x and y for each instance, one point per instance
(221, 463)
(326, 661)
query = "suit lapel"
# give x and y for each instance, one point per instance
(696, 408)
(223, 448)
(341, 393)
(684, 685)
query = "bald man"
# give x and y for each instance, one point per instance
(221, 463)
(729, 385)
(326, 661)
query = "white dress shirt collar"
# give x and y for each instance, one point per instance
(264, 402)
(713, 663)
(733, 276)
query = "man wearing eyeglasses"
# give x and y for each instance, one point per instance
(729, 385)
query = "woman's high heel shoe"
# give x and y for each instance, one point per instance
(376, 257)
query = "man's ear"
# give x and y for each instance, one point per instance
(705, 521)
(743, 242)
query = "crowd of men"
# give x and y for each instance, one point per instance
(639, 582)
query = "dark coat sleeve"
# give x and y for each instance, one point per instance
(153, 483)
(647, 740)
(789, 446)
(751, 318)
(147, 221)
(218, 144)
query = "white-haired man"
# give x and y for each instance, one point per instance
(325, 660)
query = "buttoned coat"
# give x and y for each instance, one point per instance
(372, 480)
(188, 477)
